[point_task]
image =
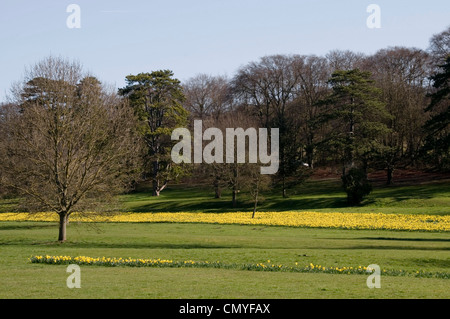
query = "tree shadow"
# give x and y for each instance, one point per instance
(213, 206)
(424, 262)
(24, 226)
(123, 245)
(401, 193)
(405, 239)
(388, 247)
(176, 200)
(306, 204)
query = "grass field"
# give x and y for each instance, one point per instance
(322, 195)
(394, 251)
(225, 243)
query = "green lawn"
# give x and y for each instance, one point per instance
(326, 196)
(407, 251)
(313, 195)
(234, 244)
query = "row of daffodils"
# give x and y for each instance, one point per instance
(405, 222)
(262, 266)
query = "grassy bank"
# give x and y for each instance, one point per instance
(323, 195)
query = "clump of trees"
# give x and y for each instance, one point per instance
(67, 140)
(345, 110)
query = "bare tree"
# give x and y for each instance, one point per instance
(67, 141)
(255, 183)
(402, 75)
(207, 96)
(313, 87)
(440, 46)
(346, 60)
(223, 173)
(269, 88)
(230, 174)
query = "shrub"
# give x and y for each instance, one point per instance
(356, 185)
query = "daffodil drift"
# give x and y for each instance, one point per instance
(378, 221)
(262, 266)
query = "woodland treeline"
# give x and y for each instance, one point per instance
(68, 140)
(347, 110)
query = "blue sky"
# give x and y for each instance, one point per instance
(118, 38)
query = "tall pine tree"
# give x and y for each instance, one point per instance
(438, 127)
(356, 118)
(157, 101)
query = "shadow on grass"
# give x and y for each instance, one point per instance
(406, 239)
(183, 198)
(124, 245)
(196, 200)
(220, 206)
(311, 195)
(403, 193)
(186, 205)
(429, 262)
(188, 246)
(393, 247)
(23, 226)
(305, 204)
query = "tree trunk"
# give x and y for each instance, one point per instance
(255, 204)
(284, 187)
(63, 218)
(217, 190)
(234, 199)
(390, 175)
(344, 170)
(235, 185)
(156, 190)
(310, 153)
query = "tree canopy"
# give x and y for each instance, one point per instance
(157, 99)
(69, 144)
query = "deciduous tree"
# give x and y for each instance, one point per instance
(402, 76)
(269, 88)
(66, 141)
